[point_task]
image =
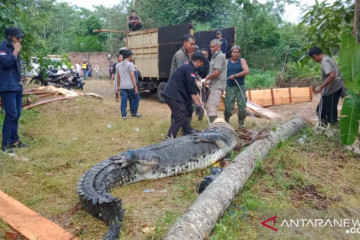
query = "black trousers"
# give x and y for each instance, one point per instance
(328, 105)
(179, 113)
(133, 27)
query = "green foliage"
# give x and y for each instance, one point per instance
(350, 117)
(300, 70)
(326, 24)
(266, 41)
(350, 63)
(260, 79)
(174, 12)
(350, 70)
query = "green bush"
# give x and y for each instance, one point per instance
(260, 79)
(299, 69)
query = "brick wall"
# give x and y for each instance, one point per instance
(94, 58)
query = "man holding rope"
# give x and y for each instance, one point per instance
(330, 88)
(237, 69)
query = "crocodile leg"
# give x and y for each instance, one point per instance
(211, 138)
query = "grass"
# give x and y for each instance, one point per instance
(68, 138)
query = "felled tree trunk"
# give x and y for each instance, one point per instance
(198, 221)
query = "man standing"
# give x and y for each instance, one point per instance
(179, 91)
(134, 22)
(84, 67)
(217, 78)
(237, 69)
(184, 53)
(127, 86)
(11, 88)
(330, 88)
(223, 41)
(114, 76)
(78, 68)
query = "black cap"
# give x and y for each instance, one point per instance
(127, 53)
(198, 56)
(14, 32)
(218, 32)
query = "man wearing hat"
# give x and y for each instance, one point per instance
(126, 85)
(11, 88)
(223, 41)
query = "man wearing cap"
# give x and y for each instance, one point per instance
(126, 85)
(223, 41)
(184, 53)
(11, 88)
(216, 79)
(179, 91)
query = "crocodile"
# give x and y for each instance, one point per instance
(170, 157)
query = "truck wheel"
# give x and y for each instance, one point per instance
(160, 89)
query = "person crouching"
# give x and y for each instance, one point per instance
(179, 91)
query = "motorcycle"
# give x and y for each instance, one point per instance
(74, 81)
(55, 77)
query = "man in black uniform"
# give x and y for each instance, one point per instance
(11, 88)
(179, 91)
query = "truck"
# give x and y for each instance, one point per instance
(154, 49)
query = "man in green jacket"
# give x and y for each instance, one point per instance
(184, 53)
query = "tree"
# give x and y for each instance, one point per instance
(327, 23)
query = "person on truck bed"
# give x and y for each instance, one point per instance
(134, 22)
(179, 91)
(184, 53)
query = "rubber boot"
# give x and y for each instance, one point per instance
(227, 119)
(212, 118)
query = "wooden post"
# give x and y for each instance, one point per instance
(272, 97)
(311, 94)
(290, 95)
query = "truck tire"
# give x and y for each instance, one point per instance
(160, 89)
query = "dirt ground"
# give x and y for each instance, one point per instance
(145, 212)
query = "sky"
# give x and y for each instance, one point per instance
(293, 13)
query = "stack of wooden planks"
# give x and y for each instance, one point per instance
(50, 94)
(280, 96)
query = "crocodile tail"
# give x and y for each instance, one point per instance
(93, 190)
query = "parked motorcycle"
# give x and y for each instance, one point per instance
(74, 81)
(55, 77)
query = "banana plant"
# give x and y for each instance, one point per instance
(350, 71)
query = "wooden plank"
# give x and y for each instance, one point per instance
(281, 96)
(300, 95)
(29, 223)
(261, 97)
(261, 111)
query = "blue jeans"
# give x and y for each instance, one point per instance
(85, 73)
(133, 99)
(12, 104)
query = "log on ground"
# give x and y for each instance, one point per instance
(198, 221)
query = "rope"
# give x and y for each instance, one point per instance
(242, 94)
